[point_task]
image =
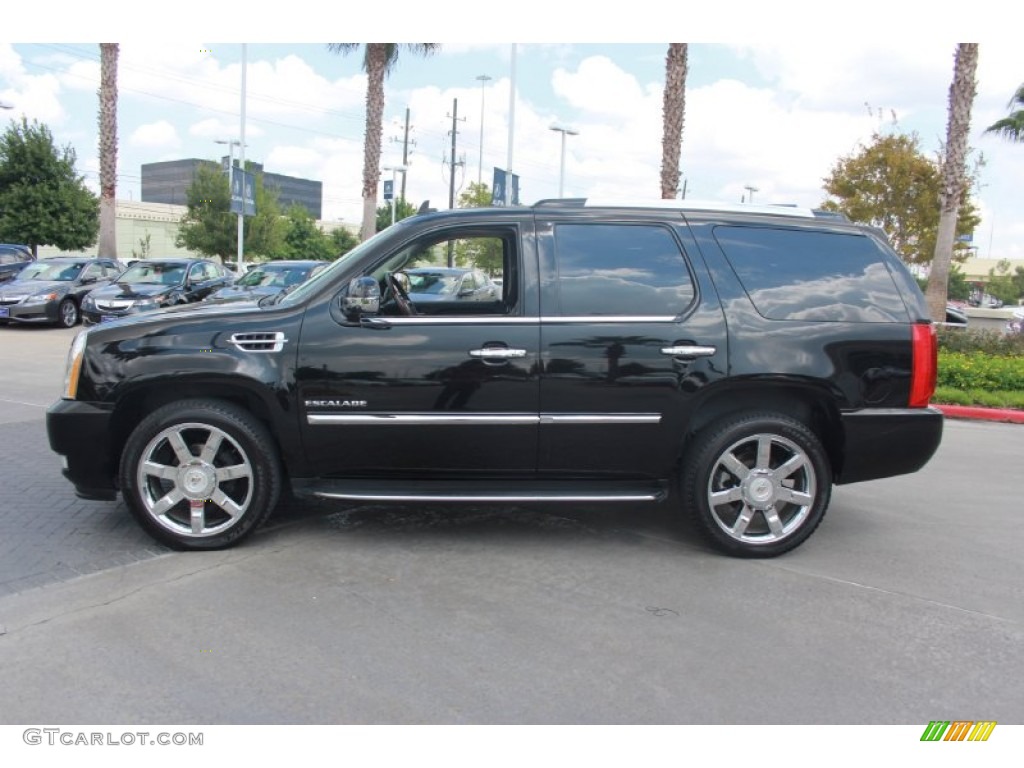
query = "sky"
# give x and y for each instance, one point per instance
(775, 95)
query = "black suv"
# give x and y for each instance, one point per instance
(735, 362)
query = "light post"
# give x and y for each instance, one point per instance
(750, 192)
(561, 175)
(6, 105)
(480, 165)
(395, 169)
(232, 143)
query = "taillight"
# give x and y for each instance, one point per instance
(925, 365)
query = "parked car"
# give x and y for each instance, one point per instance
(51, 290)
(731, 363)
(433, 284)
(13, 258)
(152, 284)
(268, 279)
(956, 316)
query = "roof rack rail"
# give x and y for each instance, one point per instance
(702, 205)
(561, 202)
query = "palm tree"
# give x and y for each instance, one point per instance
(954, 174)
(673, 107)
(1012, 126)
(107, 246)
(378, 61)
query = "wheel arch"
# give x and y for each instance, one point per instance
(806, 402)
(135, 405)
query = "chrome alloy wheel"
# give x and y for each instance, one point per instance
(195, 480)
(761, 489)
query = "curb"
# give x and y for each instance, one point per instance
(985, 414)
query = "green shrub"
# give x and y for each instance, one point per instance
(980, 370)
(988, 342)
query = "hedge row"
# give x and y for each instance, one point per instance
(988, 342)
(951, 396)
(979, 370)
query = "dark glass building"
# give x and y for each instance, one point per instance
(167, 182)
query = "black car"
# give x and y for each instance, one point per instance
(51, 290)
(731, 363)
(269, 279)
(152, 284)
(13, 258)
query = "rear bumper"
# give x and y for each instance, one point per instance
(80, 432)
(887, 442)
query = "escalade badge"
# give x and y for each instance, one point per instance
(335, 403)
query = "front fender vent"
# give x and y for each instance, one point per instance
(272, 341)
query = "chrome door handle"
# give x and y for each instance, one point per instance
(688, 351)
(497, 353)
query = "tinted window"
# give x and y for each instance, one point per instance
(801, 275)
(609, 269)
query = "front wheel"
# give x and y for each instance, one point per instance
(200, 474)
(757, 484)
(67, 314)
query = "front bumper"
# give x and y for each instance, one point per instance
(30, 313)
(80, 432)
(886, 442)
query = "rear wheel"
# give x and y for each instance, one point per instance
(757, 484)
(200, 474)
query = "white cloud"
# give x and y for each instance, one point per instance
(158, 135)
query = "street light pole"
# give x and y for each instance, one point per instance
(750, 192)
(480, 165)
(241, 162)
(8, 105)
(561, 175)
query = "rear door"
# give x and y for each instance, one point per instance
(631, 334)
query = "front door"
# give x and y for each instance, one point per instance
(450, 390)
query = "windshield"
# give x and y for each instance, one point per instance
(162, 274)
(43, 271)
(281, 277)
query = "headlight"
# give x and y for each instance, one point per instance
(148, 303)
(41, 298)
(88, 303)
(73, 368)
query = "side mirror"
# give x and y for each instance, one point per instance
(88, 280)
(361, 298)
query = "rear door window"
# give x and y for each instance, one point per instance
(635, 270)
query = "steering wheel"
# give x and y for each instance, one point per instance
(402, 300)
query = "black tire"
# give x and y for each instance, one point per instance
(756, 484)
(67, 314)
(211, 488)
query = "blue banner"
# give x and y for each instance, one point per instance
(498, 188)
(243, 192)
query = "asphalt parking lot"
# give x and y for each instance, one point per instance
(906, 605)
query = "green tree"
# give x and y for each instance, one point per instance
(484, 253)
(342, 241)
(891, 184)
(378, 60)
(107, 245)
(955, 181)
(1012, 126)
(672, 113)
(403, 210)
(208, 226)
(475, 196)
(43, 200)
(1006, 286)
(303, 239)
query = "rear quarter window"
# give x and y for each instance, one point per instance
(792, 274)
